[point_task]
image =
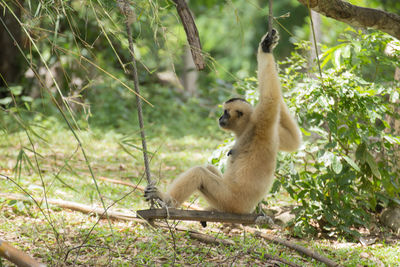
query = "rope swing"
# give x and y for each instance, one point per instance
(190, 215)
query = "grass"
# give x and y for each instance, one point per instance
(68, 237)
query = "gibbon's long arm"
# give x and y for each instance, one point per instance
(265, 113)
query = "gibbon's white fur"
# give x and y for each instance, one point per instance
(260, 132)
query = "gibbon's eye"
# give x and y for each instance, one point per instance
(239, 113)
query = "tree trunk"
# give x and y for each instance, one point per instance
(9, 64)
(190, 74)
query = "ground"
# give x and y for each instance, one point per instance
(61, 237)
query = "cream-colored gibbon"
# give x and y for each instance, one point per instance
(260, 132)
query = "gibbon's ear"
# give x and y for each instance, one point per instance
(239, 113)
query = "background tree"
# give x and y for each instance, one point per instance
(10, 39)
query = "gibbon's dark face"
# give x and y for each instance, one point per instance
(235, 110)
(224, 119)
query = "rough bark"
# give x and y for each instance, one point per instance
(357, 16)
(192, 33)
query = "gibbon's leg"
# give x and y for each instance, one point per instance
(289, 132)
(208, 180)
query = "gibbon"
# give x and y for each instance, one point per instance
(260, 132)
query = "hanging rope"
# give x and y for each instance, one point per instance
(270, 18)
(315, 43)
(127, 11)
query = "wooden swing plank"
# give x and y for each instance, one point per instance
(197, 215)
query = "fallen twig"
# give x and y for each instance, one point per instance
(208, 239)
(292, 245)
(16, 256)
(275, 258)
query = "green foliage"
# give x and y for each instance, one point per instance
(348, 161)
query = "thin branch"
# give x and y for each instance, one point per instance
(275, 258)
(212, 240)
(357, 16)
(294, 246)
(208, 239)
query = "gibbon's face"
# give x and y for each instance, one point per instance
(236, 114)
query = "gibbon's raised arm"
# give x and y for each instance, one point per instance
(268, 83)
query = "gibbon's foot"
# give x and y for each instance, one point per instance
(270, 42)
(264, 219)
(151, 193)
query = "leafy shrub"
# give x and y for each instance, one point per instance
(347, 163)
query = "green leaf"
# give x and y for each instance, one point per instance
(27, 99)
(351, 163)
(392, 139)
(372, 165)
(337, 56)
(361, 152)
(327, 158)
(6, 100)
(346, 51)
(336, 164)
(304, 131)
(16, 90)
